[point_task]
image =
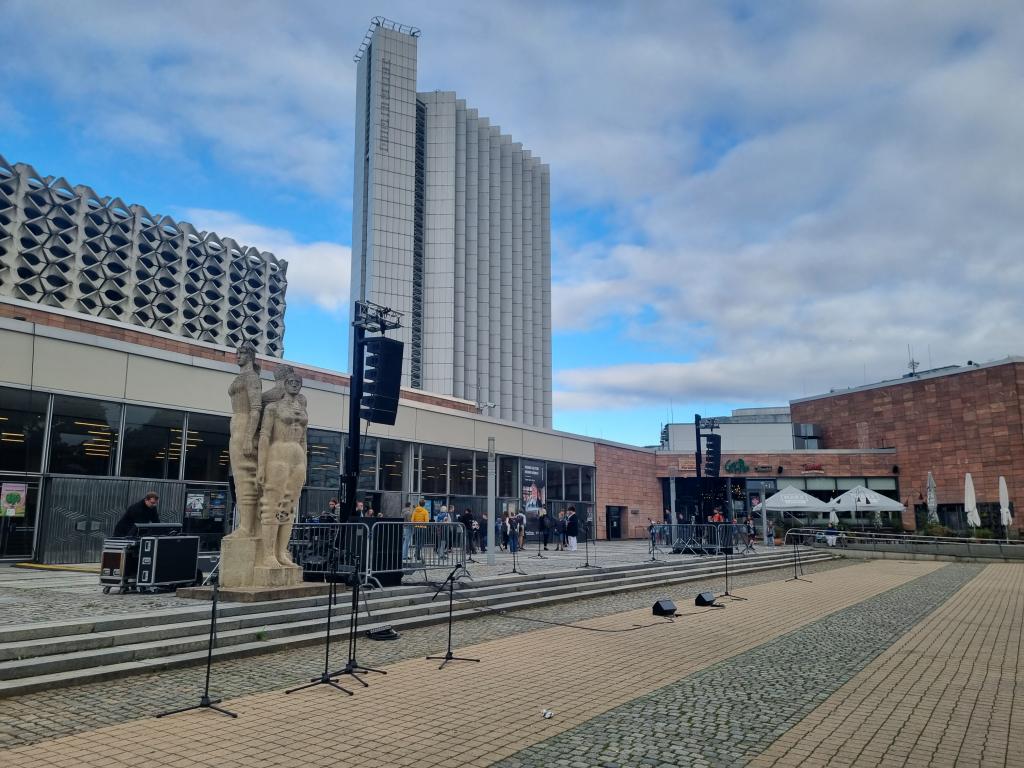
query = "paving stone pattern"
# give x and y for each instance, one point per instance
(731, 712)
(36, 717)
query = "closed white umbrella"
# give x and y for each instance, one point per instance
(932, 499)
(971, 503)
(1004, 504)
(833, 518)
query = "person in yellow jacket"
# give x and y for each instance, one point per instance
(420, 515)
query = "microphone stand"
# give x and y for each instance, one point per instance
(325, 676)
(539, 556)
(353, 667)
(205, 702)
(797, 564)
(450, 581)
(586, 549)
(727, 593)
(515, 562)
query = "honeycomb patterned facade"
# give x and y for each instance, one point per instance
(67, 247)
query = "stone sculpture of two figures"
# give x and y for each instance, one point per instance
(268, 460)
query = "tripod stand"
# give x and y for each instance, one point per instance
(727, 593)
(450, 581)
(205, 702)
(325, 676)
(353, 667)
(654, 548)
(540, 535)
(515, 562)
(586, 550)
(797, 564)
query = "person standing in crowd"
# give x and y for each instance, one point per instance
(717, 517)
(467, 522)
(512, 521)
(406, 529)
(420, 517)
(521, 528)
(329, 515)
(572, 529)
(560, 532)
(544, 526)
(441, 542)
(771, 534)
(503, 531)
(141, 512)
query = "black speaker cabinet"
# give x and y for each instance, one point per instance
(704, 599)
(664, 607)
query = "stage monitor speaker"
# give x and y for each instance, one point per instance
(704, 599)
(664, 607)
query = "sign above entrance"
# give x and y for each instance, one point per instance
(687, 464)
(737, 467)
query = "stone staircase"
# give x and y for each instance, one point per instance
(44, 655)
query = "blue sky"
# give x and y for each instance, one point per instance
(751, 201)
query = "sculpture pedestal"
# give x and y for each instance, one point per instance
(238, 558)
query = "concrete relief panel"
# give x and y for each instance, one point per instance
(73, 367)
(538, 445)
(577, 451)
(324, 408)
(442, 429)
(506, 439)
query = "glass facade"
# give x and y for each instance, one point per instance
(83, 436)
(152, 442)
(22, 426)
(461, 473)
(206, 448)
(392, 465)
(433, 470)
(323, 458)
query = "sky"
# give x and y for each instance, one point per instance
(751, 202)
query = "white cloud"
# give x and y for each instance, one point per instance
(797, 192)
(317, 272)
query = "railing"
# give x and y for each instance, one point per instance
(702, 539)
(382, 552)
(907, 543)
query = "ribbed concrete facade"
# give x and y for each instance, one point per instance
(66, 246)
(452, 227)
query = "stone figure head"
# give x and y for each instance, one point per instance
(246, 355)
(292, 382)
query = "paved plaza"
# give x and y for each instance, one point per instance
(874, 663)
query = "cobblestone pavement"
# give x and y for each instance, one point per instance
(733, 711)
(949, 692)
(28, 595)
(34, 717)
(476, 714)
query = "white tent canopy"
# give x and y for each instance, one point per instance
(791, 499)
(861, 499)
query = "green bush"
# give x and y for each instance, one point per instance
(982, 533)
(937, 529)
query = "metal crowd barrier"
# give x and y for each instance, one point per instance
(325, 548)
(702, 539)
(411, 547)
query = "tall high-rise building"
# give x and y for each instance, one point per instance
(451, 226)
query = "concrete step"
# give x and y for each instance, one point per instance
(306, 625)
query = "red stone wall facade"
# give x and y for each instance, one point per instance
(627, 477)
(963, 422)
(794, 464)
(143, 338)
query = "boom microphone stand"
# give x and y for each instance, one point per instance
(325, 676)
(450, 581)
(515, 562)
(353, 667)
(205, 702)
(540, 535)
(727, 593)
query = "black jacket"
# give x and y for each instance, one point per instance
(572, 526)
(136, 514)
(467, 520)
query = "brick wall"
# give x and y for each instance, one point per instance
(628, 478)
(207, 352)
(950, 425)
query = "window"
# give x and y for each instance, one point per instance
(367, 464)
(846, 483)
(462, 472)
(555, 487)
(152, 442)
(587, 483)
(481, 474)
(392, 464)
(22, 423)
(433, 469)
(572, 482)
(323, 458)
(83, 437)
(16, 530)
(508, 477)
(206, 448)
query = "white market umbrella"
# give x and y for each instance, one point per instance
(861, 499)
(1004, 504)
(833, 518)
(932, 499)
(971, 502)
(791, 499)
